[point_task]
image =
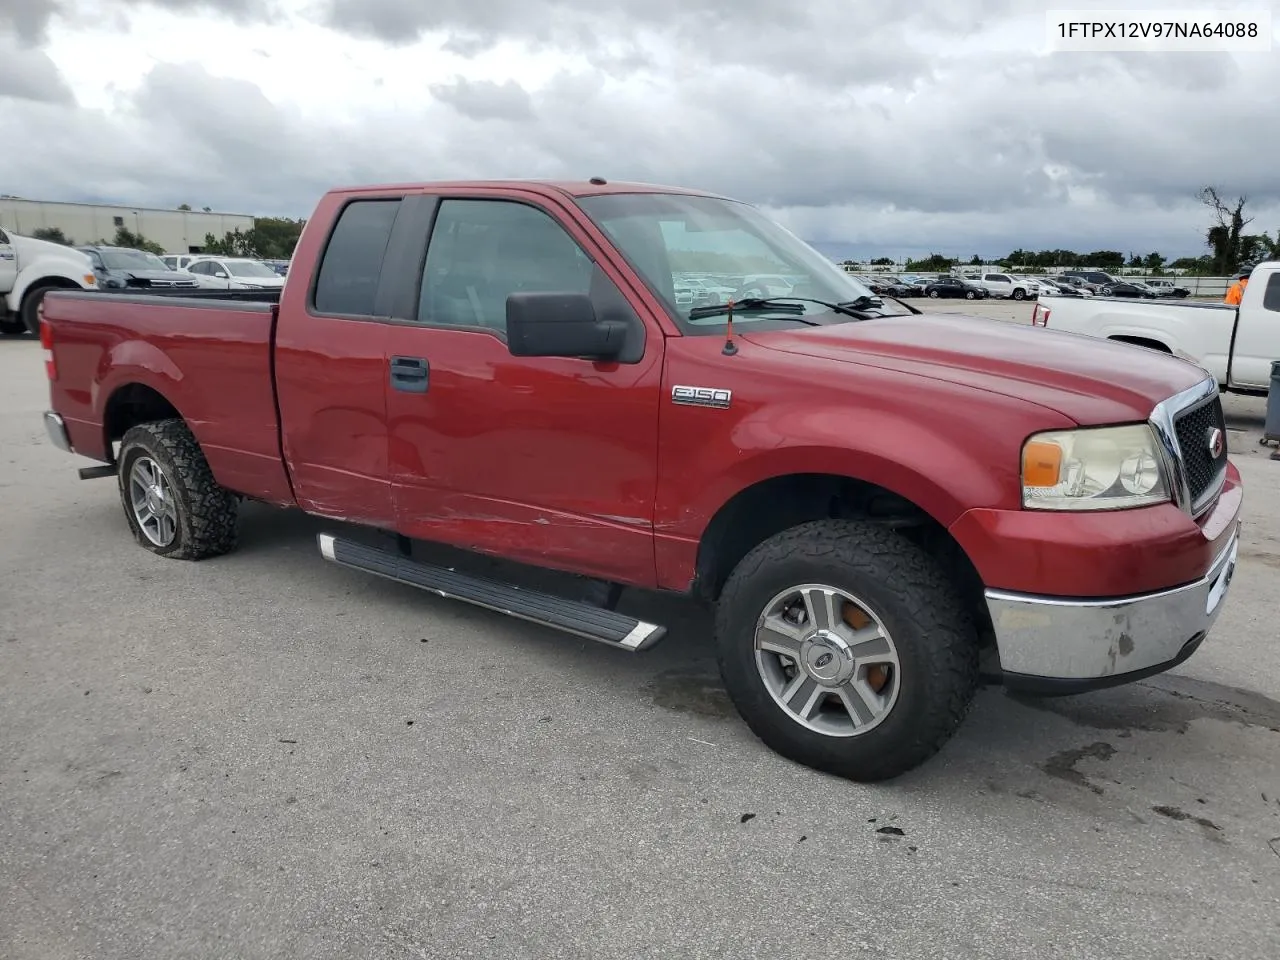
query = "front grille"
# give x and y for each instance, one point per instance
(1195, 428)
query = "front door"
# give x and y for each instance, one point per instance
(547, 460)
(8, 265)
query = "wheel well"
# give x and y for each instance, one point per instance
(49, 283)
(134, 404)
(771, 506)
(1142, 342)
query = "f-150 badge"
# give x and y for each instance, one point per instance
(701, 397)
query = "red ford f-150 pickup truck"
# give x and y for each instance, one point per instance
(873, 498)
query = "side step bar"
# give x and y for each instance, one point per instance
(570, 616)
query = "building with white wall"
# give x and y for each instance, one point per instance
(178, 231)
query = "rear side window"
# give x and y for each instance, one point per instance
(1271, 296)
(347, 281)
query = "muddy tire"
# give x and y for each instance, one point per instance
(172, 503)
(845, 648)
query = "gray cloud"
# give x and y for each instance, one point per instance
(28, 20)
(879, 129)
(485, 100)
(29, 74)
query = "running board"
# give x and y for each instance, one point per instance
(570, 616)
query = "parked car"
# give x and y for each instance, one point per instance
(1092, 280)
(124, 268)
(1007, 287)
(1167, 288)
(1235, 344)
(235, 273)
(1122, 288)
(955, 287)
(1077, 284)
(179, 261)
(763, 285)
(892, 287)
(1052, 287)
(538, 397)
(29, 269)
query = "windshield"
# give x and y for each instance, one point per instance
(250, 268)
(131, 260)
(734, 247)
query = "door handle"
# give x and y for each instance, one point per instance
(410, 374)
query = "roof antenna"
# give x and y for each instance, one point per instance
(730, 348)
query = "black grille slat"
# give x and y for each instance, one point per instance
(1193, 428)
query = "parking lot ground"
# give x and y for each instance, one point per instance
(266, 755)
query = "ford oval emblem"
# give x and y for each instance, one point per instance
(823, 660)
(1216, 442)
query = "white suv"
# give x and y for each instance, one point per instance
(1003, 285)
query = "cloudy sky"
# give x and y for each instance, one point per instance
(867, 126)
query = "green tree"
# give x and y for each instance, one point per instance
(882, 262)
(934, 263)
(1154, 262)
(127, 238)
(53, 235)
(184, 206)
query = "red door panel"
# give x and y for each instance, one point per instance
(550, 461)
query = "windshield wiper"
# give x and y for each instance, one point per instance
(757, 305)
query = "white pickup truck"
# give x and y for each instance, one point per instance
(1235, 344)
(29, 269)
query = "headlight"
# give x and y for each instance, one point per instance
(1097, 468)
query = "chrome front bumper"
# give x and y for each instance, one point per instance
(1071, 645)
(57, 431)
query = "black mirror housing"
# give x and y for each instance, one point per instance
(561, 325)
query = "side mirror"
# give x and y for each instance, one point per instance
(220, 274)
(560, 325)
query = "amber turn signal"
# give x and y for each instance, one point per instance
(1041, 464)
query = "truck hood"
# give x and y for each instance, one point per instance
(1090, 380)
(29, 248)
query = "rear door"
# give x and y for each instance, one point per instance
(8, 263)
(547, 460)
(331, 371)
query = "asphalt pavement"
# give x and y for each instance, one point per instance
(269, 756)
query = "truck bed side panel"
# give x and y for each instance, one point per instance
(210, 359)
(1199, 332)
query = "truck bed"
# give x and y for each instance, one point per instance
(208, 351)
(1195, 331)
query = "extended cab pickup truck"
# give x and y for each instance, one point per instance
(1236, 345)
(874, 499)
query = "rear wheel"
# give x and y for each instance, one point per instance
(846, 649)
(934, 294)
(172, 503)
(12, 326)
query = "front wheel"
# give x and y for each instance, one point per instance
(11, 326)
(30, 309)
(1019, 294)
(970, 295)
(173, 505)
(846, 649)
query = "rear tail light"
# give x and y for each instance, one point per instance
(46, 341)
(1040, 316)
